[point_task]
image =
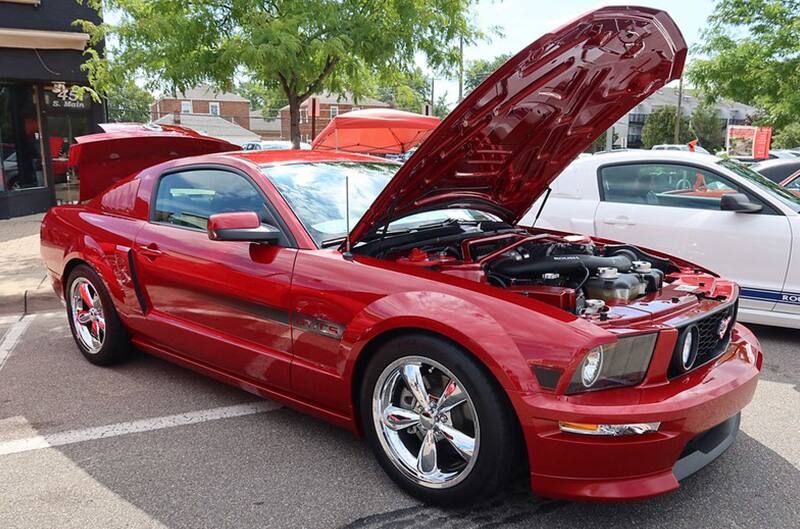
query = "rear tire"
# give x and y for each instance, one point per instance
(458, 447)
(93, 319)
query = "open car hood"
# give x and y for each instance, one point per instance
(100, 160)
(501, 147)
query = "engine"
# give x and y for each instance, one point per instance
(572, 273)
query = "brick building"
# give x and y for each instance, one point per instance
(330, 105)
(205, 101)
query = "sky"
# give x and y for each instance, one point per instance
(523, 21)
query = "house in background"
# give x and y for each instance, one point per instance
(211, 125)
(204, 100)
(267, 129)
(330, 105)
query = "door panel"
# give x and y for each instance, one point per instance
(233, 296)
(222, 303)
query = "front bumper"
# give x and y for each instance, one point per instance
(698, 413)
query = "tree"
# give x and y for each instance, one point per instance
(128, 103)
(408, 91)
(707, 127)
(659, 128)
(441, 107)
(299, 47)
(478, 70)
(788, 137)
(267, 100)
(752, 55)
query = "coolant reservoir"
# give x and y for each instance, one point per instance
(613, 286)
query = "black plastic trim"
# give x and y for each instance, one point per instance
(706, 447)
(137, 288)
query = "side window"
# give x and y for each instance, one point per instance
(660, 184)
(188, 198)
(794, 185)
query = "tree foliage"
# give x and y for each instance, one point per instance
(707, 127)
(476, 71)
(298, 47)
(408, 91)
(753, 56)
(268, 100)
(659, 128)
(128, 103)
(788, 137)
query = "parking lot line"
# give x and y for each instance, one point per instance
(143, 425)
(13, 335)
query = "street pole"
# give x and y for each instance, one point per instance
(461, 69)
(313, 106)
(678, 114)
(433, 82)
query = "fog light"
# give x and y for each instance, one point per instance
(590, 370)
(688, 348)
(614, 430)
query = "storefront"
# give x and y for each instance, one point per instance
(42, 108)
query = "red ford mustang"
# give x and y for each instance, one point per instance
(463, 346)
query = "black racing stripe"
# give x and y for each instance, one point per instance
(136, 286)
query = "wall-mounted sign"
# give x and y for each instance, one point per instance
(61, 96)
(748, 142)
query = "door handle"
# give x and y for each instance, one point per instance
(619, 221)
(150, 251)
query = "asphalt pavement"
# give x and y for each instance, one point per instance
(149, 444)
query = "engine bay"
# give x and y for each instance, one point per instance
(572, 272)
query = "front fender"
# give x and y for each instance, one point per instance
(457, 319)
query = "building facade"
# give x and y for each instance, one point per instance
(204, 100)
(628, 130)
(42, 109)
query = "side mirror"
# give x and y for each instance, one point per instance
(241, 226)
(738, 202)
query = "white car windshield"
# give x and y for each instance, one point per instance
(316, 194)
(780, 193)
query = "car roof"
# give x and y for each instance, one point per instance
(648, 156)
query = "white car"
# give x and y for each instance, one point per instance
(272, 145)
(716, 213)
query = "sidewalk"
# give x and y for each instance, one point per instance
(22, 273)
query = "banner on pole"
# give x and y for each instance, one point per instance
(748, 142)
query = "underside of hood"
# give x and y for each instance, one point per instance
(502, 146)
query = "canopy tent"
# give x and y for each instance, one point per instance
(375, 131)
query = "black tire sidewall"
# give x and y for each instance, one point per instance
(493, 467)
(115, 344)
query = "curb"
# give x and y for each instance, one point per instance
(29, 302)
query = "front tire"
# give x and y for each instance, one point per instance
(93, 319)
(437, 422)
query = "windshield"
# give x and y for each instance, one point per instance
(316, 194)
(785, 196)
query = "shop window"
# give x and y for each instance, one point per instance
(20, 140)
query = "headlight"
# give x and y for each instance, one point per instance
(623, 363)
(590, 367)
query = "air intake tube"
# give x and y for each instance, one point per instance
(563, 264)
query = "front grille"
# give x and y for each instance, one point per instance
(710, 345)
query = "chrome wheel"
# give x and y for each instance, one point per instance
(426, 422)
(86, 311)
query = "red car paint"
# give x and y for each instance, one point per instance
(296, 324)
